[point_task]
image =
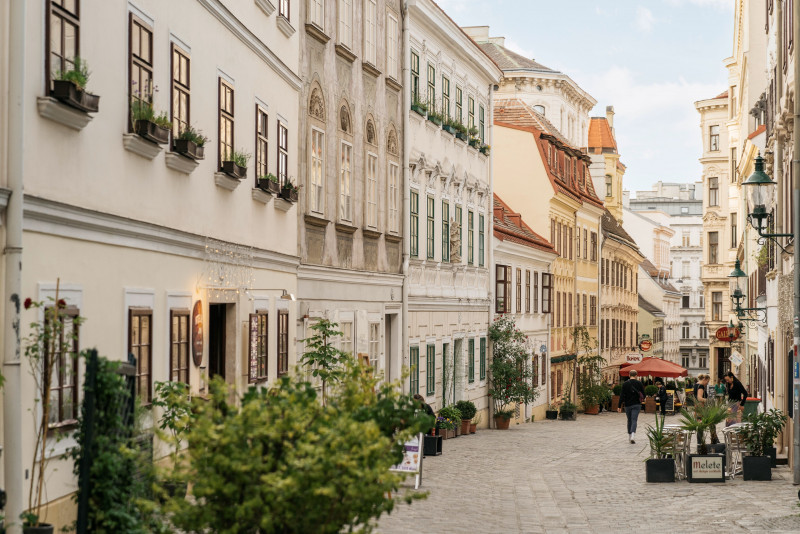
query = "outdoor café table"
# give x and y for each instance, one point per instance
(734, 448)
(680, 448)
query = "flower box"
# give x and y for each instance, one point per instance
(484, 150)
(551, 414)
(233, 170)
(289, 193)
(151, 132)
(265, 184)
(69, 94)
(449, 129)
(187, 148)
(756, 468)
(660, 470)
(464, 137)
(418, 109)
(435, 120)
(474, 143)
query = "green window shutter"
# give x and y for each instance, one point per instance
(483, 358)
(480, 240)
(430, 363)
(414, 377)
(471, 356)
(414, 222)
(445, 231)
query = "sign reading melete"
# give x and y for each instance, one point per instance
(709, 468)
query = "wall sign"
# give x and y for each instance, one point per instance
(645, 345)
(412, 460)
(633, 357)
(706, 468)
(727, 334)
(197, 333)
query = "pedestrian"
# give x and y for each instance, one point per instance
(428, 410)
(720, 387)
(631, 399)
(661, 397)
(737, 394)
(701, 389)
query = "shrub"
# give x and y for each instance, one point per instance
(617, 389)
(511, 372)
(650, 390)
(467, 409)
(449, 417)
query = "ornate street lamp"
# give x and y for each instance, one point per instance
(737, 296)
(760, 196)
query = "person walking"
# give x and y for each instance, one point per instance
(661, 397)
(736, 393)
(631, 399)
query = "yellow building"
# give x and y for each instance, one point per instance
(549, 180)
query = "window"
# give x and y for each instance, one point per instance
(346, 23)
(430, 236)
(703, 331)
(430, 370)
(445, 231)
(64, 41)
(459, 106)
(316, 13)
(283, 9)
(345, 182)
(460, 233)
(519, 291)
(414, 77)
(62, 363)
(609, 186)
(527, 291)
(558, 309)
(225, 152)
(702, 302)
(371, 31)
(594, 246)
(283, 342)
(734, 178)
(431, 95)
(391, 45)
(317, 190)
(585, 314)
(445, 97)
(140, 344)
(547, 296)
(569, 310)
(180, 91)
(535, 292)
(471, 361)
(480, 240)
(685, 239)
(482, 123)
(585, 244)
(394, 210)
(259, 346)
(716, 306)
(140, 62)
(685, 360)
(262, 143)
(470, 112)
(713, 138)
(734, 230)
(372, 191)
(502, 289)
(713, 192)
(593, 311)
(539, 109)
(283, 153)
(374, 348)
(702, 362)
(713, 246)
(483, 359)
(346, 339)
(685, 330)
(685, 300)
(179, 346)
(414, 223)
(471, 237)
(414, 377)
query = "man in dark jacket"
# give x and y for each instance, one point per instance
(736, 393)
(631, 399)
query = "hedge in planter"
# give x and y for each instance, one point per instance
(510, 371)
(468, 411)
(759, 436)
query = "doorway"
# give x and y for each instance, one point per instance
(216, 340)
(723, 362)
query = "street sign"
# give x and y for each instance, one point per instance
(633, 357)
(727, 334)
(736, 358)
(645, 345)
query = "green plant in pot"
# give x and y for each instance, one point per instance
(190, 143)
(174, 401)
(591, 390)
(448, 418)
(759, 435)
(69, 87)
(660, 466)
(650, 401)
(269, 183)
(468, 411)
(701, 418)
(510, 371)
(568, 409)
(552, 411)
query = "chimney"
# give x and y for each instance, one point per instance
(498, 212)
(499, 41)
(479, 34)
(610, 117)
(515, 218)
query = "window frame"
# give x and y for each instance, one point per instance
(502, 303)
(713, 138)
(482, 367)
(459, 104)
(137, 62)
(445, 231)
(430, 94)
(413, 378)
(413, 221)
(430, 369)
(262, 142)
(482, 123)
(713, 192)
(370, 17)
(430, 227)
(226, 117)
(313, 8)
(317, 182)
(518, 288)
(142, 312)
(283, 342)
(394, 197)
(345, 179)
(471, 362)
(414, 68)
(391, 44)
(470, 112)
(179, 88)
(713, 248)
(345, 26)
(261, 344)
(73, 18)
(445, 97)
(58, 369)
(181, 314)
(470, 237)
(283, 153)
(527, 290)
(371, 180)
(547, 291)
(284, 9)
(481, 240)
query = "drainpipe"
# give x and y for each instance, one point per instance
(12, 399)
(777, 171)
(406, 192)
(489, 239)
(796, 266)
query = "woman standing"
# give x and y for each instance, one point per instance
(736, 393)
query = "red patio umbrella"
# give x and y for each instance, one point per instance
(655, 367)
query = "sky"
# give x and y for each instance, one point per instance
(650, 59)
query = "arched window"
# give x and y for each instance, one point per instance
(316, 174)
(539, 109)
(345, 164)
(685, 330)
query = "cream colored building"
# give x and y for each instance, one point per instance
(449, 202)
(133, 234)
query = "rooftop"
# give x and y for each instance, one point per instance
(600, 135)
(509, 226)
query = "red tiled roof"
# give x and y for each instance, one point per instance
(721, 95)
(509, 226)
(757, 131)
(600, 134)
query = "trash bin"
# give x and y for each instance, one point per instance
(750, 406)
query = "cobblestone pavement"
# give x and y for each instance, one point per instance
(581, 476)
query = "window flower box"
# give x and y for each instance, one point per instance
(419, 108)
(268, 185)
(485, 149)
(233, 170)
(474, 142)
(435, 118)
(449, 129)
(187, 148)
(151, 131)
(68, 93)
(463, 136)
(289, 192)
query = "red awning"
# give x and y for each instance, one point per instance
(655, 367)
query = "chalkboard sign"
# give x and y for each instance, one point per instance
(670, 400)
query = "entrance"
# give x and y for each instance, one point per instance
(723, 362)
(216, 340)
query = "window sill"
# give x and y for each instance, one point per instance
(136, 144)
(316, 32)
(283, 204)
(226, 182)
(179, 163)
(346, 228)
(260, 195)
(345, 53)
(368, 232)
(393, 84)
(393, 238)
(266, 6)
(370, 69)
(316, 220)
(52, 109)
(284, 26)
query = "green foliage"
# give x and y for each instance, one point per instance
(650, 390)
(617, 389)
(417, 102)
(269, 176)
(283, 462)
(449, 417)
(568, 406)
(671, 385)
(473, 131)
(78, 74)
(239, 157)
(511, 373)
(195, 136)
(322, 358)
(763, 256)
(760, 434)
(173, 399)
(467, 409)
(591, 390)
(661, 444)
(142, 110)
(704, 418)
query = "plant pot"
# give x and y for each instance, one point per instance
(650, 405)
(660, 470)
(706, 468)
(460, 135)
(567, 415)
(449, 129)
(289, 193)
(772, 452)
(756, 468)
(465, 423)
(474, 143)
(502, 422)
(615, 403)
(473, 427)
(418, 109)
(432, 446)
(68, 93)
(457, 430)
(716, 448)
(265, 184)
(187, 148)
(592, 410)
(551, 414)
(484, 150)
(435, 120)
(43, 528)
(151, 132)
(232, 169)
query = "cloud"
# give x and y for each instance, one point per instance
(721, 5)
(644, 19)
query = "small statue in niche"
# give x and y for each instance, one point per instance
(455, 241)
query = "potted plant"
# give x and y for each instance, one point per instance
(468, 411)
(144, 120)
(474, 141)
(234, 164)
(418, 105)
(449, 125)
(434, 116)
(484, 148)
(567, 410)
(650, 400)
(269, 183)
(705, 466)
(660, 467)
(502, 418)
(69, 87)
(617, 390)
(173, 399)
(759, 435)
(289, 191)
(448, 418)
(551, 412)
(510, 371)
(461, 131)
(190, 143)
(473, 425)
(591, 391)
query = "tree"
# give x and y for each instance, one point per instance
(510, 372)
(591, 390)
(323, 358)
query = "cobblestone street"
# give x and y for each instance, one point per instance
(583, 476)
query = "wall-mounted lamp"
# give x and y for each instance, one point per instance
(760, 196)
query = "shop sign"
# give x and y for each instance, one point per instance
(707, 468)
(197, 333)
(645, 345)
(727, 334)
(633, 357)
(736, 358)
(412, 459)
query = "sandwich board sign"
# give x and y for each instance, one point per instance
(412, 460)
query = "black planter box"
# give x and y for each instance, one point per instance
(265, 184)
(187, 148)
(233, 170)
(551, 414)
(288, 193)
(474, 143)
(449, 129)
(660, 470)
(567, 415)
(706, 468)
(418, 109)
(462, 136)
(437, 122)
(756, 468)
(432, 446)
(67, 93)
(151, 131)
(772, 452)
(43, 528)
(716, 448)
